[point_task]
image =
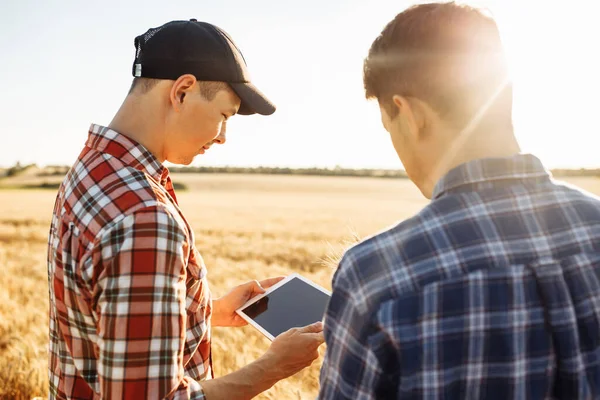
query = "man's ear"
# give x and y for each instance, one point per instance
(410, 115)
(180, 89)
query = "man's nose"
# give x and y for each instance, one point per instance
(222, 138)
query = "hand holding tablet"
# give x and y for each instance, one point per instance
(286, 310)
(291, 303)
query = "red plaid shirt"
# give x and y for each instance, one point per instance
(130, 305)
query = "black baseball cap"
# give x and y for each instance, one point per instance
(203, 50)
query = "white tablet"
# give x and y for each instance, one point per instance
(291, 303)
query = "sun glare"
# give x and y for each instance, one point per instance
(553, 72)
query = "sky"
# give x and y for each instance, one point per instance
(65, 64)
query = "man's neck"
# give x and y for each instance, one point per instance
(137, 120)
(491, 145)
(480, 144)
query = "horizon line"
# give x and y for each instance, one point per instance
(171, 166)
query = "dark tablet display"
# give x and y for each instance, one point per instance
(295, 304)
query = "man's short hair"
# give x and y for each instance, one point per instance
(447, 55)
(208, 89)
(142, 85)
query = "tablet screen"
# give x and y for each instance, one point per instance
(293, 305)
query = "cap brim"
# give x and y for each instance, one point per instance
(253, 100)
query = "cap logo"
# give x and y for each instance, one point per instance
(138, 70)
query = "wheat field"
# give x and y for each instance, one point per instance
(247, 227)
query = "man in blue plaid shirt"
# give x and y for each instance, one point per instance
(492, 291)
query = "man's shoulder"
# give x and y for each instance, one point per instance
(99, 190)
(400, 242)
(452, 231)
(417, 251)
(383, 265)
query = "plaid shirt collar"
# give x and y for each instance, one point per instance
(521, 166)
(106, 140)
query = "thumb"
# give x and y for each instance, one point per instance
(255, 288)
(312, 328)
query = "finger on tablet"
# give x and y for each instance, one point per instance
(312, 328)
(267, 283)
(254, 288)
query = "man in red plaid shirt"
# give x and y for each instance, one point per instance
(130, 307)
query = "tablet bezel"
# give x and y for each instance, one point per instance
(270, 290)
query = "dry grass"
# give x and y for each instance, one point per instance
(247, 227)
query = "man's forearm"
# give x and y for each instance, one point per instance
(245, 383)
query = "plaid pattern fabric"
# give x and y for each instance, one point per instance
(492, 291)
(129, 303)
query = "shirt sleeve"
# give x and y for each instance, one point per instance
(351, 368)
(140, 302)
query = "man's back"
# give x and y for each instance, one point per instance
(491, 291)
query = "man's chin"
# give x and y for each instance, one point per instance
(182, 161)
(188, 161)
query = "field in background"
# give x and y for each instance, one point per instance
(247, 227)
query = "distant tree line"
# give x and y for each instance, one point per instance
(17, 168)
(337, 171)
(60, 170)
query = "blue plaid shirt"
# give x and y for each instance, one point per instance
(491, 292)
